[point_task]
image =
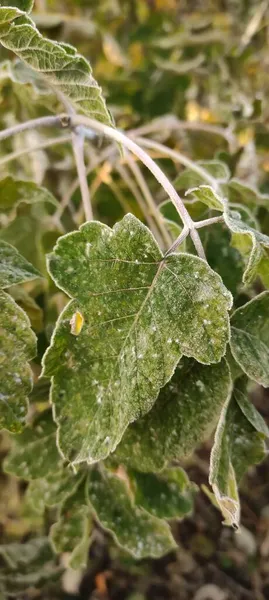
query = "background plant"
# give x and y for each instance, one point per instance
(147, 314)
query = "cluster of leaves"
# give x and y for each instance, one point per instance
(151, 352)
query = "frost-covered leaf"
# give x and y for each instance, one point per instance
(207, 195)
(60, 64)
(29, 305)
(132, 528)
(250, 338)
(167, 495)
(71, 531)
(184, 414)
(222, 257)
(238, 191)
(190, 178)
(138, 314)
(239, 443)
(27, 565)
(14, 191)
(249, 242)
(18, 346)
(52, 489)
(34, 454)
(14, 268)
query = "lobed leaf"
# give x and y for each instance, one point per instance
(207, 195)
(71, 532)
(191, 402)
(53, 489)
(167, 495)
(132, 528)
(18, 346)
(250, 338)
(190, 178)
(138, 314)
(34, 453)
(65, 70)
(239, 443)
(15, 191)
(14, 268)
(249, 241)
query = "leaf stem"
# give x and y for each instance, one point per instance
(211, 221)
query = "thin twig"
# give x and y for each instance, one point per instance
(56, 141)
(197, 243)
(118, 136)
(182, 236)
(50, 121)
(178, 157)
(210, 221)
(171, 123)
(78, 149)
(152, 208)
(131, 184)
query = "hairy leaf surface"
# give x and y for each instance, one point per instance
(184, 414)
(34, 453)
(250, 338)
(18, 346)
(208, 196)
(132, 528)
(71, 531)
(239, 443)
(137, 315)
(14, 268)
(167, 495)
(52, 489)
(14, 191)
(249, 241)
(66, 70)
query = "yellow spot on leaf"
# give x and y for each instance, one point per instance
(76, 323)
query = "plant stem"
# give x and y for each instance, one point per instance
(153, 209)
(177, 156)
(46, 144)
(78, 149)
(50, 121)
(120, 137)
(210, 221)
(131, 184)
(171, 123)
(197, 243)
(182, 236)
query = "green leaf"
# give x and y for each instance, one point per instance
(133, 317)
(27, 565)
(132, 528)
(60, 64)
(239, 443)
(189, 178)
(249, 242)
(71, 532)
(18, 346)
(15, 191)
(52, 489)
(13, 267)
(250, 338)
(24, 5)
(166, 496)
(29, 305)
(191, 403)
(238, 191)
(222, 257)
(208, 196)
(34, 453)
